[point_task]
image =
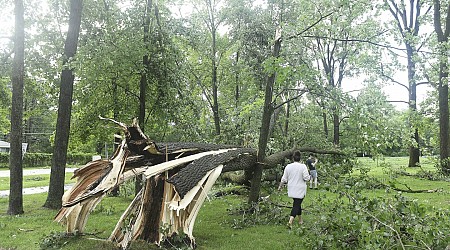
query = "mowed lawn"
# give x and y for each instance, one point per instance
(215, 224)
(386, 169)
(29, 181)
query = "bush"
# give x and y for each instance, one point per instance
(32, 160)
(4, 160)
(353, 221)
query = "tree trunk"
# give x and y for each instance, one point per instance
(117, 138)
(179, 175)
(286, 139)
(408, 26)
(143, 82)
(265, 123)
(15, 155)
(414, 151)
(336, 130)
(153, 197)
(59, 159)
(236, 80)
(215, 107)
(325, 124)
(443, 85)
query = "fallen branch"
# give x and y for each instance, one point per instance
(179, 177)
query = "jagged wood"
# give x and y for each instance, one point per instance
(179, 176)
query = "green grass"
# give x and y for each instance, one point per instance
(26, 231)
(34, 181)
(381, 170)
(214, 225)
(212, 229)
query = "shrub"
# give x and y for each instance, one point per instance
(31, 160)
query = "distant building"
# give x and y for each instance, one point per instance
(4, 147)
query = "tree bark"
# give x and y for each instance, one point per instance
(213, 30)
(265, 126)
(179, 175)
(443, 119)
(153, 197)
(442, 37)
(143, 83)
(325, 124)
(414, 151)
(336, 128)
(59, 159)
(17, 79)
(408, 26)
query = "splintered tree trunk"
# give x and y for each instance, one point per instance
(153, 197)
(15, 160)
(179, 177)
(59, 159)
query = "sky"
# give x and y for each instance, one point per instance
(394, 92)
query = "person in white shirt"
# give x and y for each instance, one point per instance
(296, 176)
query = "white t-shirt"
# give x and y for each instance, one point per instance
(296, 175)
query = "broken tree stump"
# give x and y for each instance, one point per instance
(179, 177)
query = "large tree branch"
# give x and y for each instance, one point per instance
(422, 83)
(302, 91)
(278, 157)
(395, 11)
(399, 101)
(355, 40)
(392, 79)
(309, 27)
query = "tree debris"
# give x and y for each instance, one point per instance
(178, 179)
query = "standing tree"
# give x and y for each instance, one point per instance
(207, 20)
(143, 82)
(408, 20)
(15, 159)
(265, 124)
(213, 22)
(337, 48)
(442, 37)
(59, 160)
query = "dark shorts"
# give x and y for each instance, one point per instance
(296, 207)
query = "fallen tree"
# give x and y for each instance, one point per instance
(178, 178)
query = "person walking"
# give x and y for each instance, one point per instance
(295, 175)
(311, 164)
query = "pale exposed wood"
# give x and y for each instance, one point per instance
(179, 177)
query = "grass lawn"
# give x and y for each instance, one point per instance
(34, 181)
(213, 228)
(215, 225)
(381, 170)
